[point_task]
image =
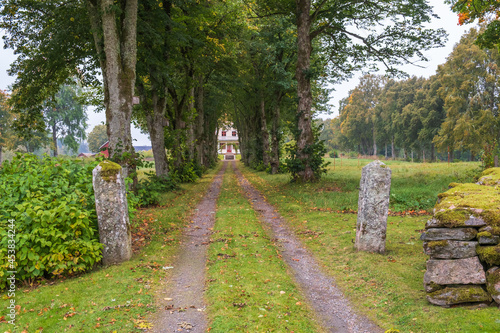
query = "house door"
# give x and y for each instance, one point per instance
(229, 148)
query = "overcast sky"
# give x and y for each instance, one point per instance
(448, 20)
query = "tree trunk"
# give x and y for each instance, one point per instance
(275, 149)
(200, 119)
(115, 39)
(1, 151)
(54, 138)
(264, 133)
(305, 137)
(432, 153)
(423, 155)
(386, 150)
(190, 142)
(157, 124)
(374, 143)
(393, 151)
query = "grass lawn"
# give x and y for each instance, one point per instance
(388, 288)
(116, 298)
(249, 288)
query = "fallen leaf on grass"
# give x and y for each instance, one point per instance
(142, 324)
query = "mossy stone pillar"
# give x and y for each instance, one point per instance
(112, 212)
(373, 207)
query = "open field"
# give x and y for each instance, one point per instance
(388, 288)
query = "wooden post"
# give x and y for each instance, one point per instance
(448, 155)
(333, 162)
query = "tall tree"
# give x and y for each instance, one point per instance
(359, 117)
(97, 137)
(7, 135)
(54, 43)
(469, 87)
(114, 28)
(488, 13)
(66, 118)
(351, 37)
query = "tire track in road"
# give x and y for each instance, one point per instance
(333, 310)
(185, 312)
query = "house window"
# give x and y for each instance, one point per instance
(223, 133)
(234, 133)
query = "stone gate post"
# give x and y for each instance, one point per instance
(112, 212)
(373, 207)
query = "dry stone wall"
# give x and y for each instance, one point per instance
(463, 242)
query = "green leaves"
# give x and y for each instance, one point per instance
(52, 203)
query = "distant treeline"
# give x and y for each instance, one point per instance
(455, 110)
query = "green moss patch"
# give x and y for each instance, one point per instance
(489, 254)
(490, 177)
(459, 203)
(484, 234)
(457, 295)
(440, 243)
(109, 170)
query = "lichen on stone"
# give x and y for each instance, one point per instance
(109, 170)
(489, 254)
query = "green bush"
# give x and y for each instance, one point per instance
(333, 154)
(149, 189)
(186, 173)
(51, 202)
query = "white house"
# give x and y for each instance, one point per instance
(227, 138)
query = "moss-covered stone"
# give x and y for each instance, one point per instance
(457, 205)
(457, 295)
(109, 170)
(450, 249)
(489, 254)
(432, 287)
(495, 231)
(493, 283)
(490, 177)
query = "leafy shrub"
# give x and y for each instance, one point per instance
(52, 203)
(488, 154)
(333, 154)
(186, 173)
(281, 168)
(258, 166)
(315, 151)
(352, 154)
(149, 190)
